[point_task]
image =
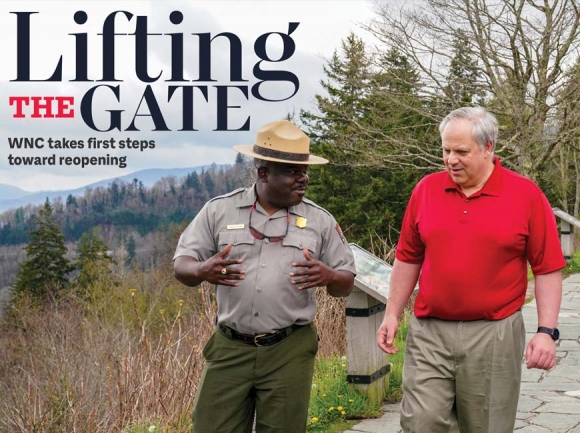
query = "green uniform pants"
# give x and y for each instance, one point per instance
(462, 375)
(239, 380)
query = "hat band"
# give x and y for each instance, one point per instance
(271, 153)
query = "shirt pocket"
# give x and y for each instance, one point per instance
(292, 251)
(242, 244)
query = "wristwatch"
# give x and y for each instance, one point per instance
(552, 332)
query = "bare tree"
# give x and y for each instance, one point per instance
(522, 49)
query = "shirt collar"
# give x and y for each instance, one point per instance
(493, 185)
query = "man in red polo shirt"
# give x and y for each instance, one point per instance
(467, 236)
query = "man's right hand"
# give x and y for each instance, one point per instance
(215, 270)
(387, 333)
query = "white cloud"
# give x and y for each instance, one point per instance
(323, 24)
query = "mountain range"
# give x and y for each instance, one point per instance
(12, 197)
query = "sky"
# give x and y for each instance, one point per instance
(59, 27)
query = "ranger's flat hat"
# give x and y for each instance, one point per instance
(281, 141)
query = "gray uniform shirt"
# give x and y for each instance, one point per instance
(265, 300)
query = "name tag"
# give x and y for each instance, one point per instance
(235, 226)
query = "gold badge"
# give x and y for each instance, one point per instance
(300, 222)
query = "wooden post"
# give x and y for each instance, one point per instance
(566, 239)
(368, 365)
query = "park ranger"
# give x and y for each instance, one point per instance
(266, 248)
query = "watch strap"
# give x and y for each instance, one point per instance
(552, 332)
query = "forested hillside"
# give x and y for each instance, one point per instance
(133, 220)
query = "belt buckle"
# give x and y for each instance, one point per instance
(256, 338)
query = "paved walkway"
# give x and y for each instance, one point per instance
(549, 400)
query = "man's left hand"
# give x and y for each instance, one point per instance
(314, 274)
(541, 352)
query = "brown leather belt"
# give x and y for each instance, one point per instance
(259, 339)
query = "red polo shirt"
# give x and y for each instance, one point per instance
(474, 251)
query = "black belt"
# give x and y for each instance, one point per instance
(259, 339)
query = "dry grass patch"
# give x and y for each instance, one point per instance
(120, 357)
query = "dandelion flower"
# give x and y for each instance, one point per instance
(324, 395)
(350, 400)
(314, 419)
(331, 408)
(343, 413)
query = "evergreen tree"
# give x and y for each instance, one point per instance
(93, 260)
(46, 268)
(130, 250)
(208, 183)
(464, 78)
(192, 181)
(398, 120)
(366, 195)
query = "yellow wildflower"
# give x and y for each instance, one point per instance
(343, 413)
(339, 408)
(331, 408)
(314, 419)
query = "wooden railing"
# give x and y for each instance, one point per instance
(566, 232)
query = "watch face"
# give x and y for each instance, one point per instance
(556, 334)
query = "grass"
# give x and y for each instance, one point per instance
(114, 360)
(332, 399)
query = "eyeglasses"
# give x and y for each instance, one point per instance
(261, 236)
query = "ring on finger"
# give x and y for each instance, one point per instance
(224, 271)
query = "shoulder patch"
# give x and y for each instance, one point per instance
(340, 233)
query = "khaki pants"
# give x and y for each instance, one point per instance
(462, 375)
(239, 379)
